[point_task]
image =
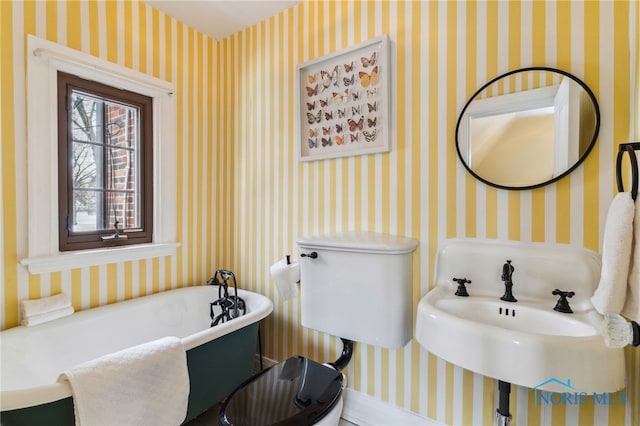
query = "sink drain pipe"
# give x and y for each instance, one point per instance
(503, 417)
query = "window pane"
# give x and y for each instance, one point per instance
(120, 169)
(105, 163)
(86, 160)
(121, 185)
(105, 159)
(87, 211)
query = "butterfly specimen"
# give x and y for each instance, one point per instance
(312, 78)
(349, 81)
(372, 92)
(348, 67)
(366, 62)
(372, 123)
(339, 98)
(324, 102)
(369, 79)
(311, 106)
(326, 130)
(311, 91)
(314, 118)
(372, 107)
(354, 136)
(329, 78)
(328, 115)
(370, 136)
(339, 128)
(326, 142)
(313, 132)
(355, 110)
(342, 112)
(339, 140)
(313, 143)
(355, 125)
(356, 95)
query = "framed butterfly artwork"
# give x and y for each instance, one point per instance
(343, 102)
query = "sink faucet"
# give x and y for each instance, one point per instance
(507, 272)
(462, 290)
(563, 304)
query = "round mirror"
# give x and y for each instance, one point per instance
(527, 128)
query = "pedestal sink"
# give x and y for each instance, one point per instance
(526, 342)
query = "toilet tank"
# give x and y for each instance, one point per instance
(359, 287)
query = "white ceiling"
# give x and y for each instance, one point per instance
(221, 18)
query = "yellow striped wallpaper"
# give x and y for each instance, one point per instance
(441, 53)
(244, 199)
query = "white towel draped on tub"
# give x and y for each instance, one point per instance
(146, 384)
(616, 255)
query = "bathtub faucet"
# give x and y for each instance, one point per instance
(231, 306)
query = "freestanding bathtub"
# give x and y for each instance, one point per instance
(219, 358)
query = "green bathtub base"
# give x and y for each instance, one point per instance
(222, 365)
(56, 413)
(215, 369)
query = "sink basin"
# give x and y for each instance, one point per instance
(529, 317)
(525, 342)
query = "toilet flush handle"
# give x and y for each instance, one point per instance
(312, 255)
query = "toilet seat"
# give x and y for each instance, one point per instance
(295, 392)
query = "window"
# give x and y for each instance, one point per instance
(105, 165)
(43, 252)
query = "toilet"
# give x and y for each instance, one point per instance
(353, 285)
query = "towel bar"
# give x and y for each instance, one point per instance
(630, 149)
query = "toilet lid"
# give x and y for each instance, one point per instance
(295, 392)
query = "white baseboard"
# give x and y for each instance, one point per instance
(364, 410)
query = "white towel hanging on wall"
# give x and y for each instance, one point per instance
(616, 255)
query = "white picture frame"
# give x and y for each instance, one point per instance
(343, 102)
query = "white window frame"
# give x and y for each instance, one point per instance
(44, 60)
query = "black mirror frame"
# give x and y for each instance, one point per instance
(596, 131)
